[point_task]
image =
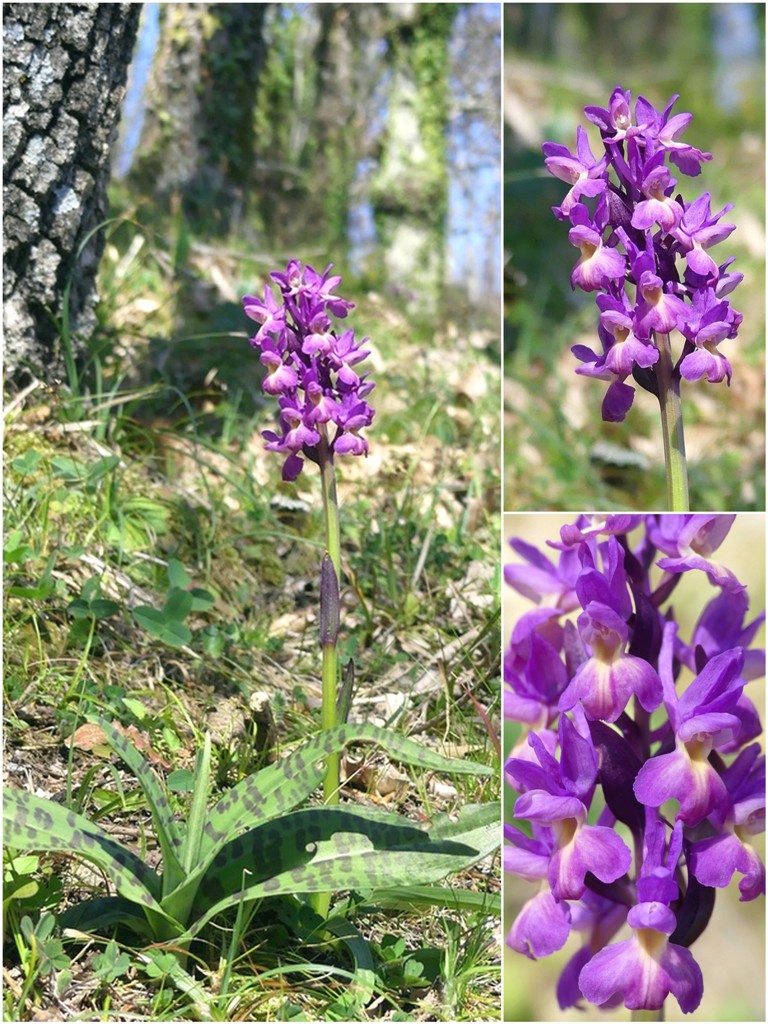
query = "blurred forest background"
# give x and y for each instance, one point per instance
(366, 134)
(734, 989)
(559, 58)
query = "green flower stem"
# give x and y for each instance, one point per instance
(330, 655)
(648, 1014)
(672, 428)
(331, 783)
(328, 721)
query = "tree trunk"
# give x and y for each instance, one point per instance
(198, 137)
(410, 190)
(348, 67)
(64, 74)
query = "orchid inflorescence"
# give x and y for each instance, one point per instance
(310, 367)
(641, 790)
(642, 236)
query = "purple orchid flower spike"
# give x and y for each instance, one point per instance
(635, 233)
(309, 366)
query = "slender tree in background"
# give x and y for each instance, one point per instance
(64, 74)
(198, 141)
(410, 190)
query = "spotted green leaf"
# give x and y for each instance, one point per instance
(33, 823)
(323, 849)
(283, 786)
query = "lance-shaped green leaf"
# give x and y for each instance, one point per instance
(324, 849)
(281, 787)
(416, 897)
(179, 903)
(166, 829)
(102, 914)
(33, 823)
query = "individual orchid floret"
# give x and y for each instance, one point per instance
(646, 968)
(281, 377)
(588, 526)
(609, 677)
(557, 795)
(543, 924)
(534, 672)
(622, 351)
(598, 263)
(721, 627)
(689, 541)
(708, 322)
(657, 309)
(697, 231)
(716, 859)
(583, 172)
(599, 919)
(662, 131)
(615, 122)
(699, 718)
(268, 313)
(658, 207)
(541, 579)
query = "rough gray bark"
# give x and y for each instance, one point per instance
(64, 72)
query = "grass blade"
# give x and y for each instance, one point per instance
(167, 830)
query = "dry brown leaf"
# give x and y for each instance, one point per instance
(90, 736)
(140, 741)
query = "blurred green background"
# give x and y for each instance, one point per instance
(731, 952)
(558, 58)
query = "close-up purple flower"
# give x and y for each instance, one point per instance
(309, 366)
(648, 250)
(636, 787)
